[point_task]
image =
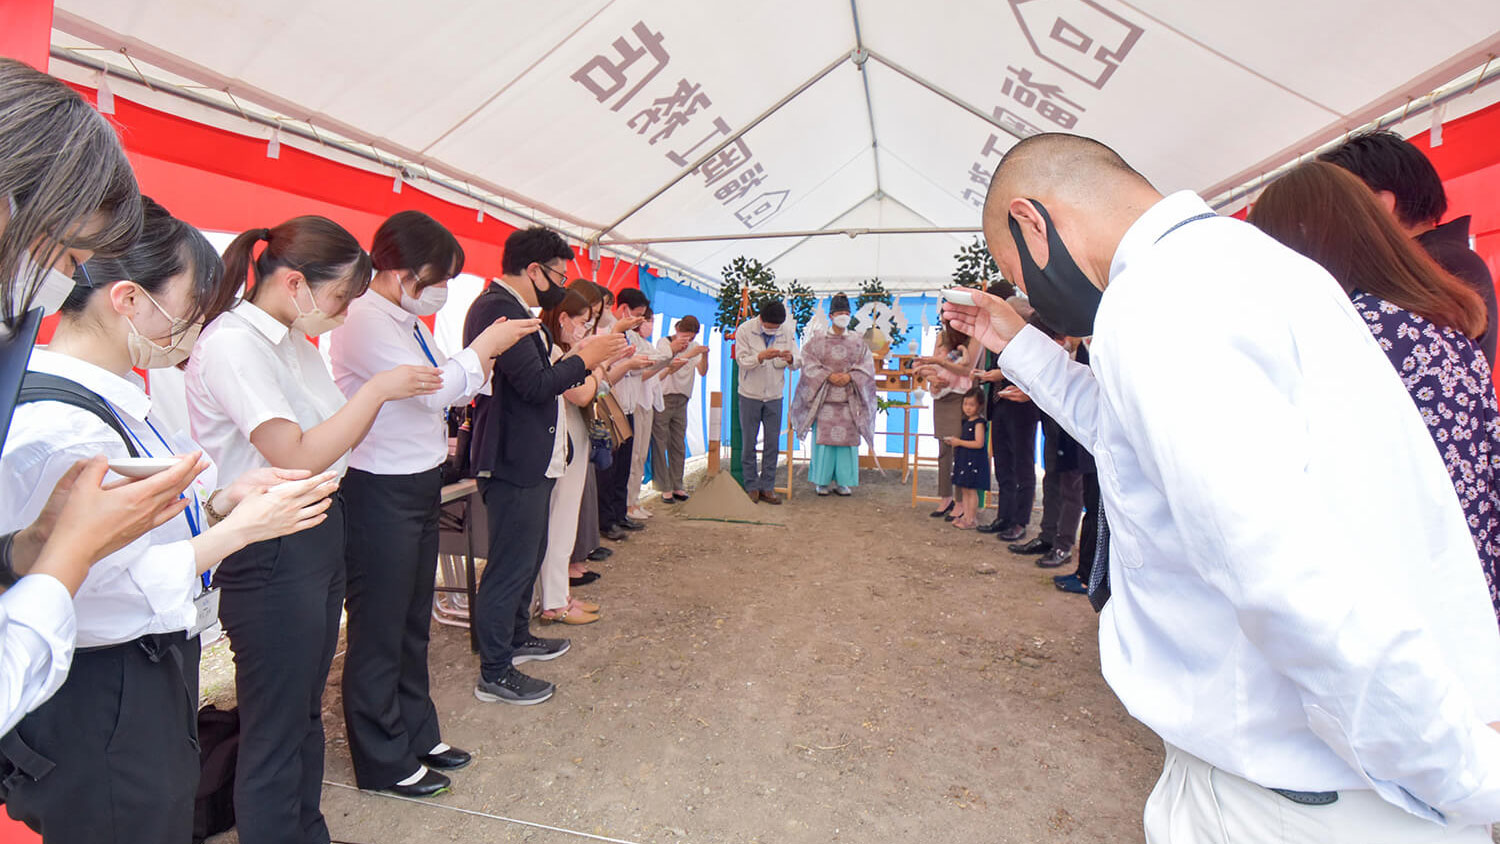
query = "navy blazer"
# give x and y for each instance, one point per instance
(515, 426)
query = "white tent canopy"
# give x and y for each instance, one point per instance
(655, 125)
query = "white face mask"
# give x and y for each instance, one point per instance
(428, 302)
(313, 322)
(54, 287)
(841, 320)
(146, 354)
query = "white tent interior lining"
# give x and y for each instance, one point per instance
(652, 126)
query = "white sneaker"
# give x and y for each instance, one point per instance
(638, 513)
(822, 490)
(843, 490)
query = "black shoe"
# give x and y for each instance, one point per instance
(1037, 545)
(1012, 533)
(431, 784)
(449, 760)
(537, 649)
(513, 687)
(613, 533)
(631, 524)
(680, 498)
(587, 578)
(1054, 558)
(937, 514)
(600, 554)
(996, 526)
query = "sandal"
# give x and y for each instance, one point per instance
(566, 616)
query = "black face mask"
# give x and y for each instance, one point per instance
(1062, 295)
(552, 296)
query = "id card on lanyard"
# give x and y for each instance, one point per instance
(206, 605)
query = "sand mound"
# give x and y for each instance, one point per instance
(720, 499)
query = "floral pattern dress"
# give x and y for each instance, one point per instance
(1448, 378)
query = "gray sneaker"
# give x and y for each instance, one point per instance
(513, 687)
(843, 490)
(537, 649)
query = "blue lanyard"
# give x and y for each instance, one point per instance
(417, 331)
(194, 513)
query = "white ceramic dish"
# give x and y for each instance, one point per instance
(141, 467)
(959, 295)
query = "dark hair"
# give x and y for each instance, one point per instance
(632, 298)
(839, 304)
(1325, 213)
(536, 245)
(1001, 288)
(317, 247)
(62, 163)
(1383, 161)
(688, 323)
(773, 312)
(975, 393)
(572, 304)
(951, 337)
(411, 240)
(607, 294)
(166, 248)
(1036, 321)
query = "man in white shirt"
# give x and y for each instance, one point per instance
(630, 391)
(649, 403)
(765, 347)
(1298, 609)
(670, 430)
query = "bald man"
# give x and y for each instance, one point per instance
(1297, 607)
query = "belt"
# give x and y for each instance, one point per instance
(1309, 798)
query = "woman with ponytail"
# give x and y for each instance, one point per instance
(259, 395)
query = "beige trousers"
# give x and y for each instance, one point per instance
(645, 419)
(1196, 803)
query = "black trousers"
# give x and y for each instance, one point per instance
(518, 541)
(588, 518)
(1088, 540)
(1013, 442)
(280, 607)
(614, 480)
(392, 561)
(112, 758)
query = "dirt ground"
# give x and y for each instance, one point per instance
(860, 673)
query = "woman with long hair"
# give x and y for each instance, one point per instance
(259, 395)
(569, 322)
(393, 496)
(121, 732)
(1423, 319)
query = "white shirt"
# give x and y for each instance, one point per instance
(247, 369)
(679, 383)
(763, 380)
(410, 435)
(149, 585)
(650, 398)
(37, 626)
(1296, 596)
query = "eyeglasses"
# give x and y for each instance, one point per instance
(548, 272)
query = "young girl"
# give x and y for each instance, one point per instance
(971, 466)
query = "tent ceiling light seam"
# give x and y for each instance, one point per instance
(460, 186)
(859, 57)
(522, 75)
(1411, 109)
(942, 92)
(846, 212)
(1229, 59)
(87, 30)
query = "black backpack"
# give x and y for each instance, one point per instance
(218, 752)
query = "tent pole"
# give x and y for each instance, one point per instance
(686, 171)
(860, 56)
(987, 118)
(851, 233)
(846, 212)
